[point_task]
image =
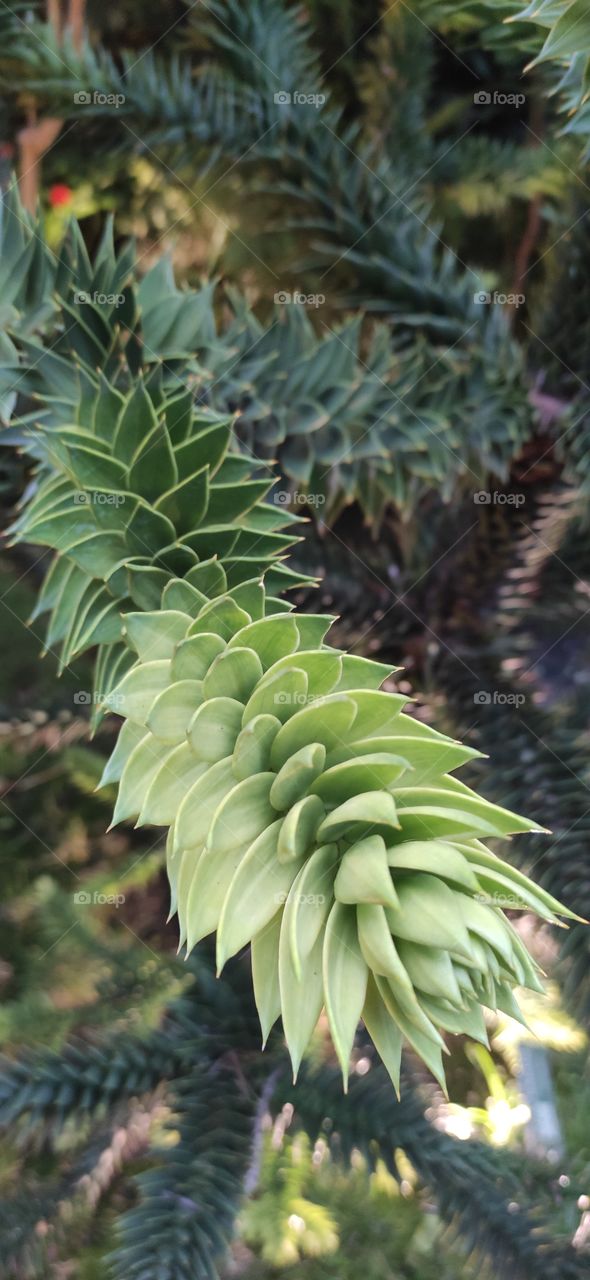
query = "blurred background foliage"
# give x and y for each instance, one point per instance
(471, 598)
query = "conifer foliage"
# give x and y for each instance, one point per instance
(289, 780)
(329, 875)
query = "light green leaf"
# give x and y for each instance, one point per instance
(271, 638)
(372, 813)
(208, 889)
(196, 811)
(433, 856)
(252, 750)
(430, 758)
(301, 999)
(431, 969)
(370, 773)
(362, 673)
(277, 697)
(178, 594)
(130, 735)
(250, 596)
(169, 786)
(265, 974)
(300, 828)
(259, 888)
(326, 721)
(345, 981)
(309, 903)
(429, 913)
(422, 1043)
(242, 815)
(138, 690)
(377, 712)
(142, 765)
(298, 772)
(322, 669)
(222, 616)
(208, 577)
(234, 674)
(173, 710)
(456, 796)
(485, 923)
(192, 658)
(364, 875)
(482, 860)
(312, 629)
(384, 1032)
(383, 958)
(468, 1021)
(214, 728)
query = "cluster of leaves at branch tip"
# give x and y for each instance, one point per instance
(310, 816)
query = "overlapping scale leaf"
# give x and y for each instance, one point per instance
(150, 509)
(310, 815)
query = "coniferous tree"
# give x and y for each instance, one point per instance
(152, 499)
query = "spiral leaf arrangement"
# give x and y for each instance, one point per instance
(146, 506)
(310, 816)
